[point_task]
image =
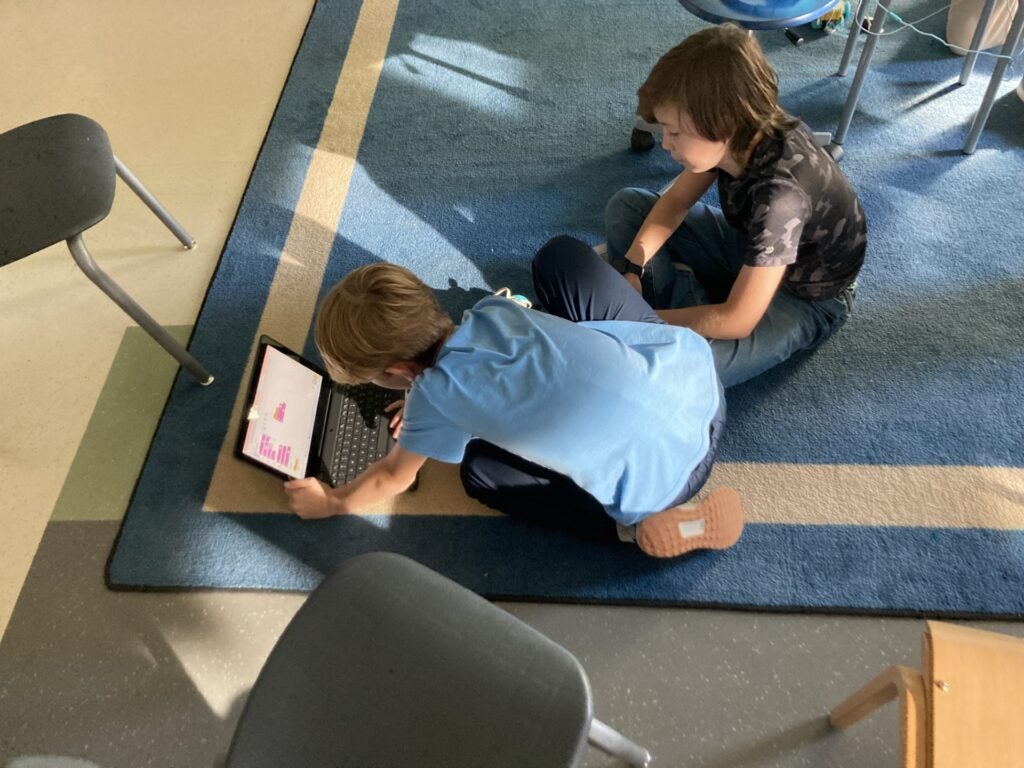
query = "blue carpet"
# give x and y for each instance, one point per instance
(496, 126)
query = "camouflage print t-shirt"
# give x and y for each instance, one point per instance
(794, 206)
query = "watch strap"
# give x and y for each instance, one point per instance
(632, 268)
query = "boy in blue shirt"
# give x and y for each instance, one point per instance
(591, 412)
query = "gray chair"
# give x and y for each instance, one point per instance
(57, 179)
(389, 664)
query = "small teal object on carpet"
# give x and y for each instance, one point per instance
(496, 126)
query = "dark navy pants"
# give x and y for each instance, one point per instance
(569, 280)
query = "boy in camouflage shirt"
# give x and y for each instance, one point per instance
(770, 273)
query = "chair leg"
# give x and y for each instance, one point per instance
(154, 205)
(895, 681)
(612, 742)
(914, 723)
(85, 261)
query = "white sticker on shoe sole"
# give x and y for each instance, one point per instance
(690, 528)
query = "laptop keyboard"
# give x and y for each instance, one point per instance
(359, 443)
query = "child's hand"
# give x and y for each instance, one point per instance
(396, 420)
(307, 498)
(634, 281)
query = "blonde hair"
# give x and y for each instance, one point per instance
(721, 79)
(378, 315)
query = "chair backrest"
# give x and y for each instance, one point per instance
(973, 678)
(57, 179)
(390, 664)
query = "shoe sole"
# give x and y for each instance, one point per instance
(660, 536)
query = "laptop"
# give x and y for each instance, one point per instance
(297, 423)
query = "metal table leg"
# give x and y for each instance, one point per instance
(877, 24)
(979, 32)
(851, 39)
(1009, 48)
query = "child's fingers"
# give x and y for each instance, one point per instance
(396, 421)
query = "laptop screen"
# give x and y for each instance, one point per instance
(282, 414)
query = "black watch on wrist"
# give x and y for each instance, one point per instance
(632, 268)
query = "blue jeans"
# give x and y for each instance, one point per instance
(712, 251)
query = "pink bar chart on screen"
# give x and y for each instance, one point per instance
(282, 415)
(278, 452)
(283, 452)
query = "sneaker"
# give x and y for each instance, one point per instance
(715, 523)
(517, 298)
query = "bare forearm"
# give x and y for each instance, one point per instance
(740, 313)
(668, 213)
(712, 321)
(661, 222)
(374, 485)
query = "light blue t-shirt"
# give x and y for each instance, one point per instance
(621, 408)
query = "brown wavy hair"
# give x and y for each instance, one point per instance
(378, 315)
(720, 78)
